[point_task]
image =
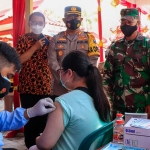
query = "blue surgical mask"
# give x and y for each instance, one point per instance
(62, 83)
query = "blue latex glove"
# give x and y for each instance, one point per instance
(1, 140)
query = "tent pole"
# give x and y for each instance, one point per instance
(100, 31)
(28, 11)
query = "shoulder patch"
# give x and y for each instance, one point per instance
(92, 46)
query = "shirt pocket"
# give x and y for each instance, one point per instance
(82, 45)
(61, 50)
(141, 75)
(119, 59)
(140, 61)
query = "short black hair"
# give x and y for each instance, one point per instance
(37, 14)
(8, 56)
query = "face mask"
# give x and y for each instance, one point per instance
(36, 29)
(62, 83)
(4, 86)
(128, 30)
(73, 24)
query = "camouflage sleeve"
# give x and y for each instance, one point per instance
(108, 75)
(93, 50)
(148, 59)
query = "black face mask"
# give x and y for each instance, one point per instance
(73, 24)
(128, 30)
(4, 86)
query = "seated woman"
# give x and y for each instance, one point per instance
(79, 112)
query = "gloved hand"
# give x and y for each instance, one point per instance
(42, 107)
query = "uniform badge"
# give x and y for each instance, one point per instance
(60, 53)
(82, 46)
(78, 25)
(82, 38)
(73, 8)
(60, 46)
(62, 39)
(94, 41)
(3, 91)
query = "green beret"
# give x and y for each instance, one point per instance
(72, 10)
(129, 13)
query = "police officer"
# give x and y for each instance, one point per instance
(71, 39)
(127, 68)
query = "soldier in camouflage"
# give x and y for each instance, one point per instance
(127, 68)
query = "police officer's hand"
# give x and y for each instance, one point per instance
(39, 44)
(147, 110)
(42, 107)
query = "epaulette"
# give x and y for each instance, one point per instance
(59, 33)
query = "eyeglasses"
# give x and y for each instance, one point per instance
(128, 22)
(40, 23)
(60, 71)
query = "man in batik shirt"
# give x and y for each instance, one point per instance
(35, 79)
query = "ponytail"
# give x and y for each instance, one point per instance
(95, 86)
(80, 63)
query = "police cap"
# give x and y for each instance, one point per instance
(72, 10)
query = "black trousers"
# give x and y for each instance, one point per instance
(36, 125)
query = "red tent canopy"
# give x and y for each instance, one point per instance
(6, 21)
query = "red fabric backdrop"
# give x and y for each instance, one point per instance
(18, 29)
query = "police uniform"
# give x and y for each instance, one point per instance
(62, 43)
(127, 72)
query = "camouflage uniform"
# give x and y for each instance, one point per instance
(62, 43)
(127, 75)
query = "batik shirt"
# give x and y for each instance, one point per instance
(35, 76)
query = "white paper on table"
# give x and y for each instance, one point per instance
(115, 146)
(141, 123)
